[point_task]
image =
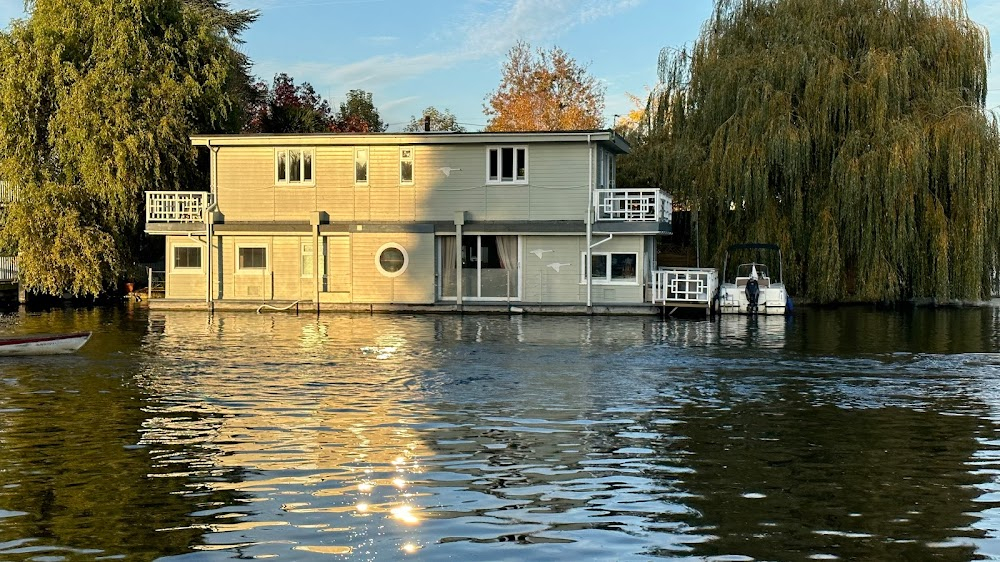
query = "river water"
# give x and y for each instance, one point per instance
(847, 434)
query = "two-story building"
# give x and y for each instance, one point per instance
(412, 221)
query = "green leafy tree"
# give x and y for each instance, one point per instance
(97, 102)
(358, 114)
(439, 121)
(851, 132)
(544, 91)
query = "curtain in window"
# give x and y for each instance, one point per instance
(449, 255)
(507, 248)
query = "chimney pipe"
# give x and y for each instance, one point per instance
(427, 123)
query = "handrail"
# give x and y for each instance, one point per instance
(178, 206)
(633, 205)
(276, 309)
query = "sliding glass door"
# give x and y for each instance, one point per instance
(489, 267)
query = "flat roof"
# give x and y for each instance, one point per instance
(606, 137)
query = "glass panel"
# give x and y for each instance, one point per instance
(494, 164)
(282, 175)
(470, 270)
(307, 166)
(391, 260)
(623, 267)
(522, 164)
(506, 164)
(599, 266)
(498, 280)
(448, 257)
(361, 166)
(406, 171)
(294, 166)
(187, 257)
(253, 258)
(307, 259)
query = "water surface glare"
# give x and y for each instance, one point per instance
(842, 434)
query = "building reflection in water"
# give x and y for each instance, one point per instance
(306, 426)
(478, 437)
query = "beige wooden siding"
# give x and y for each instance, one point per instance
(184, 284)
(335, 182)
(338, 287)
(414, 285)
(245, 177)
(447, 178)
(543, 284)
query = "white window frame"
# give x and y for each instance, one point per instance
(302, 152)
(378, 259)
(240, 270)
(607, 280)
(368, 164)
(306, 265)
(173, 259)
(411, 160)
(498, 151)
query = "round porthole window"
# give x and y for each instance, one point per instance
(391, 259)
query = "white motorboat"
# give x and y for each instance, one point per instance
(752, 290)
(42, 344)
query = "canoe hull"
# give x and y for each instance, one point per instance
(42, 344)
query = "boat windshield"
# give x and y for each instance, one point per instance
(752, 270)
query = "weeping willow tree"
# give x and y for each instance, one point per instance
(97, 102)
(851, 132)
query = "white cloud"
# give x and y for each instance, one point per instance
(486, 33)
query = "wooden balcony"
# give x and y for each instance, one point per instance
(169, 211)
(633, 205)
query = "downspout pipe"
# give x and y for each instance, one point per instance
(590, 224)
(209, 220)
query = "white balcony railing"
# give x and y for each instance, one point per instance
(684, 285)
(633, 205)
(8, 269)
(177, 206)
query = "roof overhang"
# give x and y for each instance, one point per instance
(606, 137)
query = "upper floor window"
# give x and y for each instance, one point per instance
(605, 169)
(507, 164)
(293, 166)
(361, 165)
(406, 165)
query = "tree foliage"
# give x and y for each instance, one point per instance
(358, 114)
(544, 91)
(97, 102)
(439, 121)
(851, 132)
(286, 108)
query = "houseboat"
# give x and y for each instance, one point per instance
(435, 221)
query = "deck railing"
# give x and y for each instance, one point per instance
(684, 285)
(8, 269)
(8, 193)
(633, 205)
(177, 206)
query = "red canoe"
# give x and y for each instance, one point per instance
(42, 344)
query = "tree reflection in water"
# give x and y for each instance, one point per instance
(379, 437)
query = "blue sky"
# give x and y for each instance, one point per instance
(448, 53)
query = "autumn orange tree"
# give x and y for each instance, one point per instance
(544, 91)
